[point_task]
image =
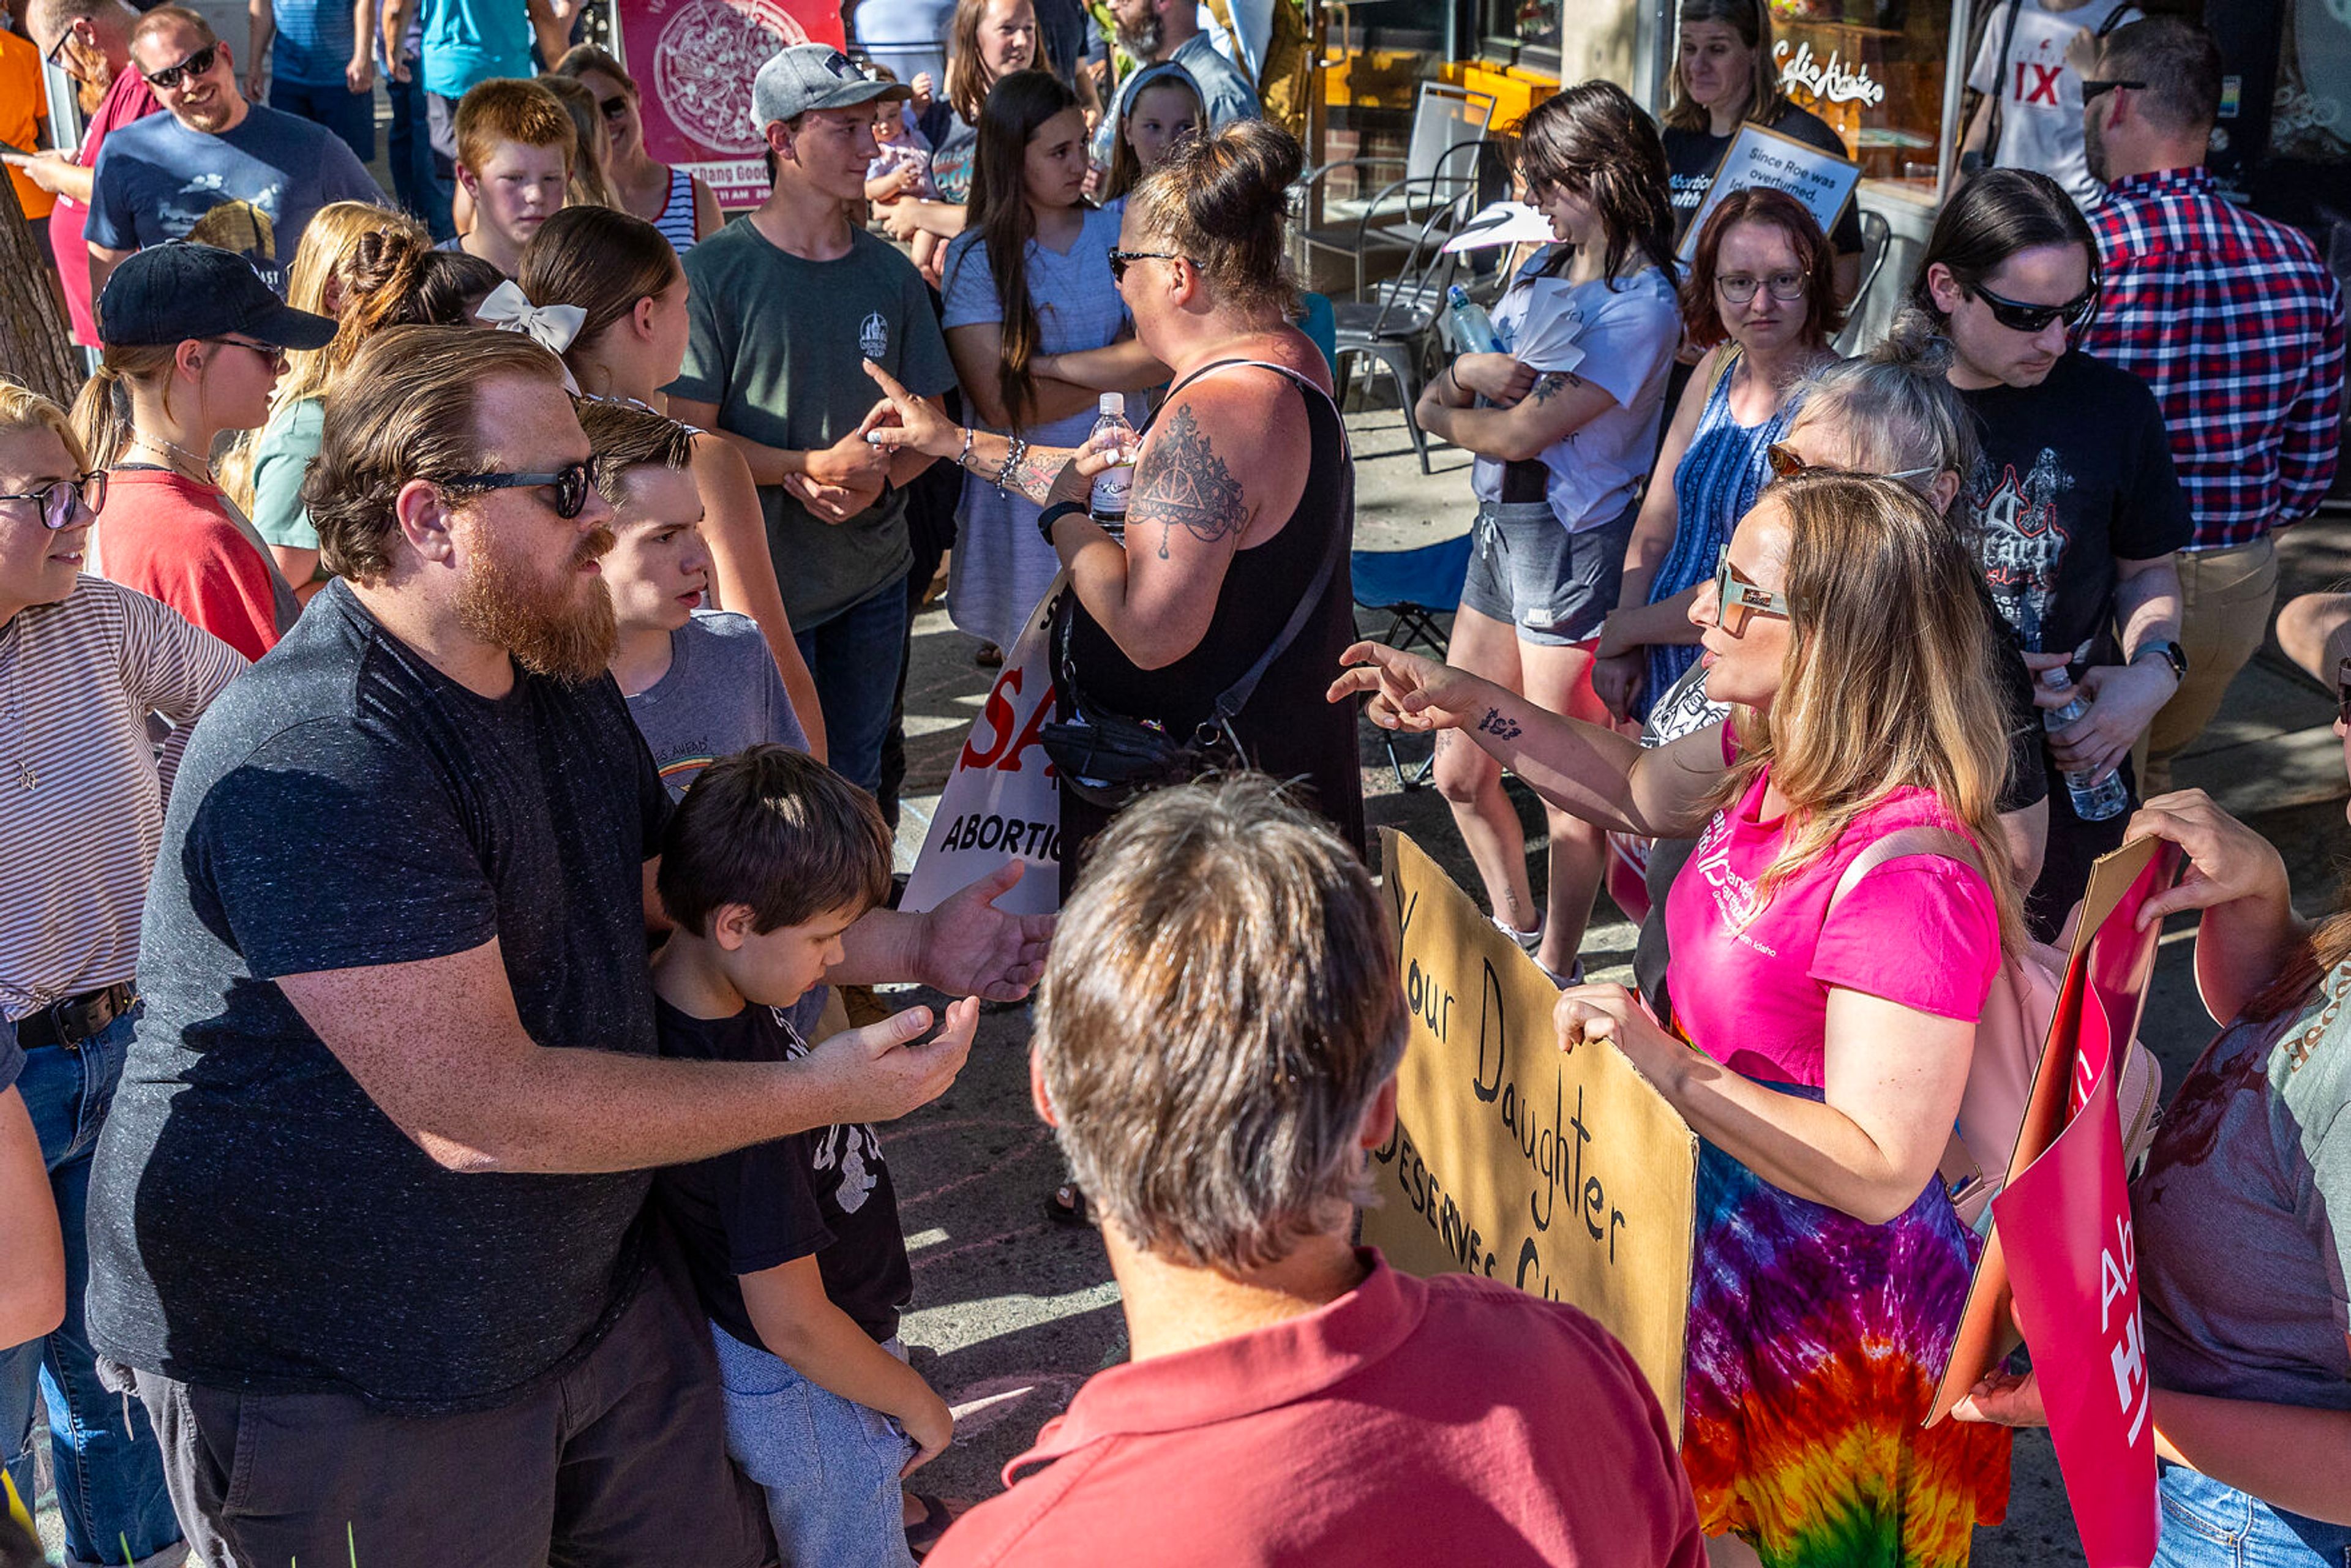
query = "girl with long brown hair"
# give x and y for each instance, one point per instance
(1563, 424)
(989, 40)
(624, 276)
(1834, 942)
(1031, 276)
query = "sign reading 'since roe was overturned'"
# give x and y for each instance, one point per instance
(1565, 1175)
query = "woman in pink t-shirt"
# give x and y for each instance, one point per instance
(1834, 1025)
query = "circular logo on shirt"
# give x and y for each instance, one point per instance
(873, 336)
(703, 62)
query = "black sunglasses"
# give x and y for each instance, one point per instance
(2094, 91)
(1119, 259)
(271, 354)
(51, 57)
(571, 482)
(2018, 315)
(615, 106)
(61, 501)
(195, 64)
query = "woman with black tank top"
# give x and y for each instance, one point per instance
(1243, 503)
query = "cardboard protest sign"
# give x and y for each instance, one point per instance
(694, 61)
(2061, 1254)
(1566, 1175)
(1822, 181)
(1003, 800)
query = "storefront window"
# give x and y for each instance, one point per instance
(2311, 120)
(1520, 31)
(1873, 70)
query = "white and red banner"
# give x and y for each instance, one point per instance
(1003, 801)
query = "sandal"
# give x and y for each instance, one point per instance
(924, 1534)
(1066, 1205)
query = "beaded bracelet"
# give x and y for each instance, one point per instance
(1015, 450)
(963, 458)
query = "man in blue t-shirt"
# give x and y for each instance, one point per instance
(305, 57)
(212, 167)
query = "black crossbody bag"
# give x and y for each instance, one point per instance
(1107, 759)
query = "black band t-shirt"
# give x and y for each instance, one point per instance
(825, 1191)
(257, 1221)
(1692, 157)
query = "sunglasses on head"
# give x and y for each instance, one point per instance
(1785, 464)
(1737, 600)
(2018, 315)
(1120, 258)
(570, 482)
(61, 501)
(2094, 91)
(195, 64)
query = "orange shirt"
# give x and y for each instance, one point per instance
(23, 111)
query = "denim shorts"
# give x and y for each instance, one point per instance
(829, 1465)
(1528, 570)
(2210, 1524)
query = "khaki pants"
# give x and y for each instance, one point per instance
(2226, 598)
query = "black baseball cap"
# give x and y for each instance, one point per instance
(169, 293)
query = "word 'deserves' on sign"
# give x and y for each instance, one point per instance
(1564, 1175)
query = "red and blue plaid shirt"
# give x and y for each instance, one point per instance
(2238, 327)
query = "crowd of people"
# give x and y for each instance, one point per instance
(452, 674)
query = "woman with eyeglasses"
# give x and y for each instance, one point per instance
(1564, 424)
(194, 343)
(1761, 301)
(1890, 412)
(83, 664)
(676, 203)
(1824, 1004)
(2075, 507)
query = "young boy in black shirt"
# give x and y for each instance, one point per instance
(794, 1245)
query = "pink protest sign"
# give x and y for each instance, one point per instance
(694, 61)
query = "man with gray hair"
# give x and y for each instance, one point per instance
(368, 1213)
(2236, 324)
(1217, 1038)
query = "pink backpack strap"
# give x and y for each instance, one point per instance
(1921, 839)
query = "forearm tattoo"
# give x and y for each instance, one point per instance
(1549, 384)
(1181, 483)
(1495, 723)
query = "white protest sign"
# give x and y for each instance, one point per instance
(1003, 801)
(1822, 181)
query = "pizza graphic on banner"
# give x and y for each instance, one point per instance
(694, 61)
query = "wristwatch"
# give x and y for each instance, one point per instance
(2173, 654)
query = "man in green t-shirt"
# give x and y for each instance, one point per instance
(784, 306)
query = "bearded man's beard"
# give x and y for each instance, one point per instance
(1142, 42)
(563, 628)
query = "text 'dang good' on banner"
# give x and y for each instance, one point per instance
(2061, 1259)
(1003, 799)
(1565, 1175)
(694, 61)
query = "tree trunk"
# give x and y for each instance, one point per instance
(35, 347)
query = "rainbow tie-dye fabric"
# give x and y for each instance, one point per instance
(1815, 1341)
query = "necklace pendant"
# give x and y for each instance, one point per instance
(26, 777)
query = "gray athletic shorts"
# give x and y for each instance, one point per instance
(1527, 569)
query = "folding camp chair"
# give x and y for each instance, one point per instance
(1412, 588)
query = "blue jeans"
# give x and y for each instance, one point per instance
(415, 176)
(110, 1471)
(2210, 1524)
(828, 1464)
(855, 658)
(349, 115)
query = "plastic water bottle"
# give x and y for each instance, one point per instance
(1473, 329)
(2092, 802)
(1113, 484)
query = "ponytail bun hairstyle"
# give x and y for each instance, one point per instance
(1219, 200)
(1895, 405)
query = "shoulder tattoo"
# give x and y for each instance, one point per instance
(1181, 483)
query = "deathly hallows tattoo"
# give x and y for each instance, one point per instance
(1181, 483)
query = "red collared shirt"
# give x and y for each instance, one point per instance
(2237, 325)
(1409, 1422)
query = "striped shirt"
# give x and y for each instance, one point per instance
(2237, 325)
(78, 680)
(676, 220)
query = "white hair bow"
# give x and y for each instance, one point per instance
(552, 327)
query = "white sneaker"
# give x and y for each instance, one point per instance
(1528, 941)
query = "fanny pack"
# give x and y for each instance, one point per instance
(1106, 758)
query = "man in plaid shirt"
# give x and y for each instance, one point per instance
(2236, 324)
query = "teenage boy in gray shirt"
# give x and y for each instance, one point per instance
(786, 303)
